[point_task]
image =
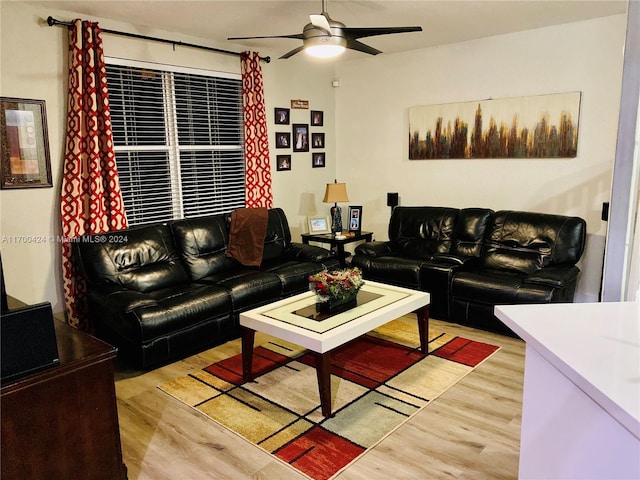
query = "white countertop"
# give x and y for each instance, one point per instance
(595, 345)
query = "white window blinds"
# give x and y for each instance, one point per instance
(178, 138)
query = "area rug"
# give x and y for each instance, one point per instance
(378, 382)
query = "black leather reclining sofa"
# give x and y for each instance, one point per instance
(160, 292)
(472, 259)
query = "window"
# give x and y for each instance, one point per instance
(178, 138)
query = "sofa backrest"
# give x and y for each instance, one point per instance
(470, 230)
(421, 232)
(202, 243)
(142, 258)
(278, 236)
(526, 241)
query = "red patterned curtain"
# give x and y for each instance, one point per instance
(91, 201)
(256, 139)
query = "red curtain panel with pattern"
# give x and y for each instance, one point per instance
(257, 164)
(91, 200)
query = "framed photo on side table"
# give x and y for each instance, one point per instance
(355, 219)
(25, 161)
(319, 225)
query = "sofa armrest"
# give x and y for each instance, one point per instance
(118, 300)
(558, 276)
(453, 259)
(309, 253)
(375, 249)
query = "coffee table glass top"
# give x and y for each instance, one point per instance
(300, 310)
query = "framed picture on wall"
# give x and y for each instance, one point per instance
(318, 160)
(317, 140)
(281, 116)
(317, 118)
(300, 137)
(283, 162)
(355, 219)
(25, 161)
(283, 140)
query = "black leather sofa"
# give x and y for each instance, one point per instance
(472, 259)
(160, 292)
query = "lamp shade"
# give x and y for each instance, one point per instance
(335, 192)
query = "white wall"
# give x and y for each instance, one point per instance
(299, 192)
(366, 144)
(372, 127)
(34, 65)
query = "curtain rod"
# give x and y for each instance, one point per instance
(53, 22)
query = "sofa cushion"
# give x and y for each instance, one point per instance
(202, 243)
(470, 230)
(278, 236)
(142, 259)
(248, 288)
(180, 308)
(173, 309)
(293, 275)
(400, 271)
(525, 242)
(421, 232)
(498, 288)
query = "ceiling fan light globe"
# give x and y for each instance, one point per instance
(325, 51)
(325, 46)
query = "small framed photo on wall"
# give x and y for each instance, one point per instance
(300, 137)
(281, 116)
(355, 219)
(317, 140)
(283, 140)
(317, 118)
(318, 160)
(283, 162)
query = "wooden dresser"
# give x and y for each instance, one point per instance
(62, 423)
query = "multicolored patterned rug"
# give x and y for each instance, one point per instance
(378, 382)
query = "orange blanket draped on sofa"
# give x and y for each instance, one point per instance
(246, 235)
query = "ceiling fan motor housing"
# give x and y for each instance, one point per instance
(313, 36)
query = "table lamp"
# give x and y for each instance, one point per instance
(336, 192)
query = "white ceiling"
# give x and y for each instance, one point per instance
(442, 21)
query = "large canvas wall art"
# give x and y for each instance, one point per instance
(540, 126)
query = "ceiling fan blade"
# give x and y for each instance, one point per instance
(370, 32)
(292, 52)
(354, 44)
(295, 35)
(321, 22)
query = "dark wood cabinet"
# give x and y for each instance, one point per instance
(62, 423)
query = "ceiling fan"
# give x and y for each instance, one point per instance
(325, 37)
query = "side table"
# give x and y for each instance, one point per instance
(337, 243)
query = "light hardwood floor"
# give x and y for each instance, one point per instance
(470, 432)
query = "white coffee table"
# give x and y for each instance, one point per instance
(295, 319)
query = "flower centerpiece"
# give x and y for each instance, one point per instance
(337, 289)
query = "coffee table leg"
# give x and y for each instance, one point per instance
(423, 328)
(323, 370)
(248, 335)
